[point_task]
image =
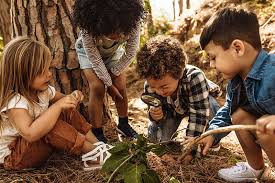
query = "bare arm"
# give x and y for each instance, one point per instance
(96, 59)
(33, 130)
(58, 96)
(130, 51)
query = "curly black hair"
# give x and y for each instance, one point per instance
(159, 56)
(104, 17)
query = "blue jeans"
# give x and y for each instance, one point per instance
(84, 61)
(163, 131)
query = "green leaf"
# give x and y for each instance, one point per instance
(133, 175)
(113, 162)
(125, 168)
(141, 141)
(159, 150)
(150, 176)
(174, 180)
(119, 148)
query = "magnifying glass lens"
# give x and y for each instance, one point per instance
(150, 100)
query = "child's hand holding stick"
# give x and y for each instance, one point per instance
(186, 150)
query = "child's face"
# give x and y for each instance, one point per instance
(41, 82)
(115, 36)
(225, 61)
(165, 86)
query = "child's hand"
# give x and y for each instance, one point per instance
(206, 143)
(67, 102)
(187, 159)
(114, 93)
(156, 113)
(77, 95)
(266, 125)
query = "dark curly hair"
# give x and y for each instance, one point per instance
(159, 56)
(104, 17)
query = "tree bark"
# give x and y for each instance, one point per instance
(180, 3)
(174, 9)
(50, 22)
(149, 19)
(187, 4)
(5, 20)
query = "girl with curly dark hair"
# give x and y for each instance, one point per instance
(108, 41)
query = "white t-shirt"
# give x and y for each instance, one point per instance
(9, 133)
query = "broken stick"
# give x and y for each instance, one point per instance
(215, 131)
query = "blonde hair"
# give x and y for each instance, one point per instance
(23, 59)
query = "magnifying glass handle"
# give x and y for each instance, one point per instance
(159, 134)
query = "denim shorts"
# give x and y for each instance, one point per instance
(85, 63)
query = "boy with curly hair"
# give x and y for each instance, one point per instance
(108, 41)
(232, 40)
(183, 89)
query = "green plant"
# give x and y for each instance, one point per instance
(161, 26)
(128, 162)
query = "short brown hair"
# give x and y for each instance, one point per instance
(159, 56)
(229, 24)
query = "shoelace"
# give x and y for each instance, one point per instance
(101, 151)
(240, 168)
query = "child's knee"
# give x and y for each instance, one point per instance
(241, 117)
(263, 139)
(97, 89)
(123, 92)
(121, 88)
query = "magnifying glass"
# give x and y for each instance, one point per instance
(151, 99)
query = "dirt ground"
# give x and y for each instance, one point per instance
(62, 168)
(200, 170)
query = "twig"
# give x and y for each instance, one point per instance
(267, 21)
(113, 174)
(162, 143)
(176, 132)
(215, 131)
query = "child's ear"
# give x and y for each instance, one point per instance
(238, 47)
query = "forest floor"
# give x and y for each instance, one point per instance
(62, 168)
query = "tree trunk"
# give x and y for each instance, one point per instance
(180, 3)
(187, 4)
(149, 19)
(50, 22)
(174, 9)
(5, 20)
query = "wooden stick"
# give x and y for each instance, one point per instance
(215, 131)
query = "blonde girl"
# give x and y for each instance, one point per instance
(31, 128)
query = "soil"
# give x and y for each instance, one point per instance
(62, 168)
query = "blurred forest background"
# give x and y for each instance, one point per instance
(50, 21)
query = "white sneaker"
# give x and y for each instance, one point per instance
(99, 153)
(241, 172)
